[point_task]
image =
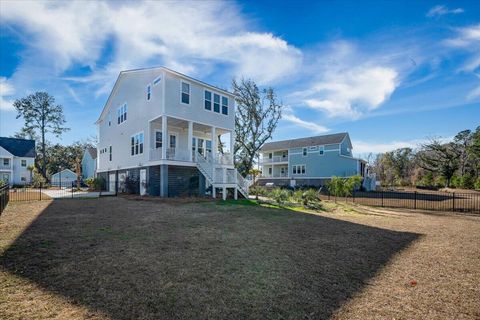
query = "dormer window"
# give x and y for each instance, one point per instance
(149, 92)
(185, 93)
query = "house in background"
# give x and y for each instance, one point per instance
(65, 178)
(16, 155)
(89, 163)
(311, 161)
(160, 132)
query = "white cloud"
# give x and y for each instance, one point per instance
(350, 93)
(186, 36)
(364, 147)
(311, 126)
(6, 90)
(441, 10)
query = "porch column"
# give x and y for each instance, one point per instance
(235, 193)
(189, 142)
(232, 143)
(164, 137)
(214, 143)
(163, 180)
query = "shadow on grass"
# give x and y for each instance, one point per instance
(140, 259)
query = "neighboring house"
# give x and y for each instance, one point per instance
(89, 163)
(159, 134)
(311, 161)
(16, 155)
(64, 178)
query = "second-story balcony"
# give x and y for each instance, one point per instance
(274, 159)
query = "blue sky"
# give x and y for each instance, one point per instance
(392, 74)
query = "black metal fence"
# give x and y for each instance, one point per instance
(438, 201)
(4, 197)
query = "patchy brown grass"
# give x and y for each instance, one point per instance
(114, 258)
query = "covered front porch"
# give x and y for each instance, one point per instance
(183, 140)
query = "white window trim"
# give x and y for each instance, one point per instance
(299, 166)
(155, 140)
(130, 145)
(157, 80)
(219, 103)
(147, 92)
(189, 92)
(211, 100)
(172, 133)
(126, 112)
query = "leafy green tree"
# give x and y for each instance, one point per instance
(257, 115)
(351, 184)
(41, 116)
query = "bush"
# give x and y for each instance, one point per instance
(297, 196)
(309, 196)
(351, 184)
(95, 183)
(38, 181)
(467, 181)
(258, 191)
(477, 184)
(280, 196)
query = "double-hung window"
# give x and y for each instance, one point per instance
(216, 103)
(298, 169)
(158, 139)
(208, 100)
(24, 163)
(122, 114)
(173, 141)
(185, 93)
(6, 161)
(136, 143)
(225, 105)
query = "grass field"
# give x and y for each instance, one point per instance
(116, 258)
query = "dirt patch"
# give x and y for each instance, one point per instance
(115, 258)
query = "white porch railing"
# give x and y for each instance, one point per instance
(277, 175)
(171, 154)
(275, 159)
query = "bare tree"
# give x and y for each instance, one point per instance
(256, 118)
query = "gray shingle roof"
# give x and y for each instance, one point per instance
(305, 142)
(93, 152)
(18, 147)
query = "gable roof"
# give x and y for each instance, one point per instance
(305, 142)
(92, 151)
(159, 68)
(18, 147)
(64, 171)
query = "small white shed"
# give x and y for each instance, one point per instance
(64, 178)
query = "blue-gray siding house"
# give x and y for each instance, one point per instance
(89, 163)
(64, 178)
(309, 161)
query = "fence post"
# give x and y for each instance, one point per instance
(72, 189)
(415, 200)
(353, 196)
(40, 192)
(453, 201)
(382, 197)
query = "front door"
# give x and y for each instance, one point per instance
(111, 182)
(143, 182)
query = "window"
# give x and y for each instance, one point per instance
(284, 154)
(298, 169)
(185, 93)
(282, 170)
(270, 155)
(149, 92)
(270, 171)
(109, 119)
(158, 139)
(225, 105)
(321, 150)
(157, 80)
(6, 162)
(173, 141)
(304, 152)
(23, 179)
(122, 114)
(216, 103)
(208, 146)
(110, 153)
(24, 163)
(136, 143)
(208, 100)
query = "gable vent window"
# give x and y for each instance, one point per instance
(149, 92)
(185, 93)
(225, 105)
(122, 114)
(208, 100)
(216, 103)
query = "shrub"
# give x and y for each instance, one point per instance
(309, 196)
(477, 184)
(95, 183)
(351, 184)
(280, 196)
(38, 181)
(297, 196)
(336, 186)
(467, 181)
(258, 191)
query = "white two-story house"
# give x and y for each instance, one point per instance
(166, 134)
(16, 156)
